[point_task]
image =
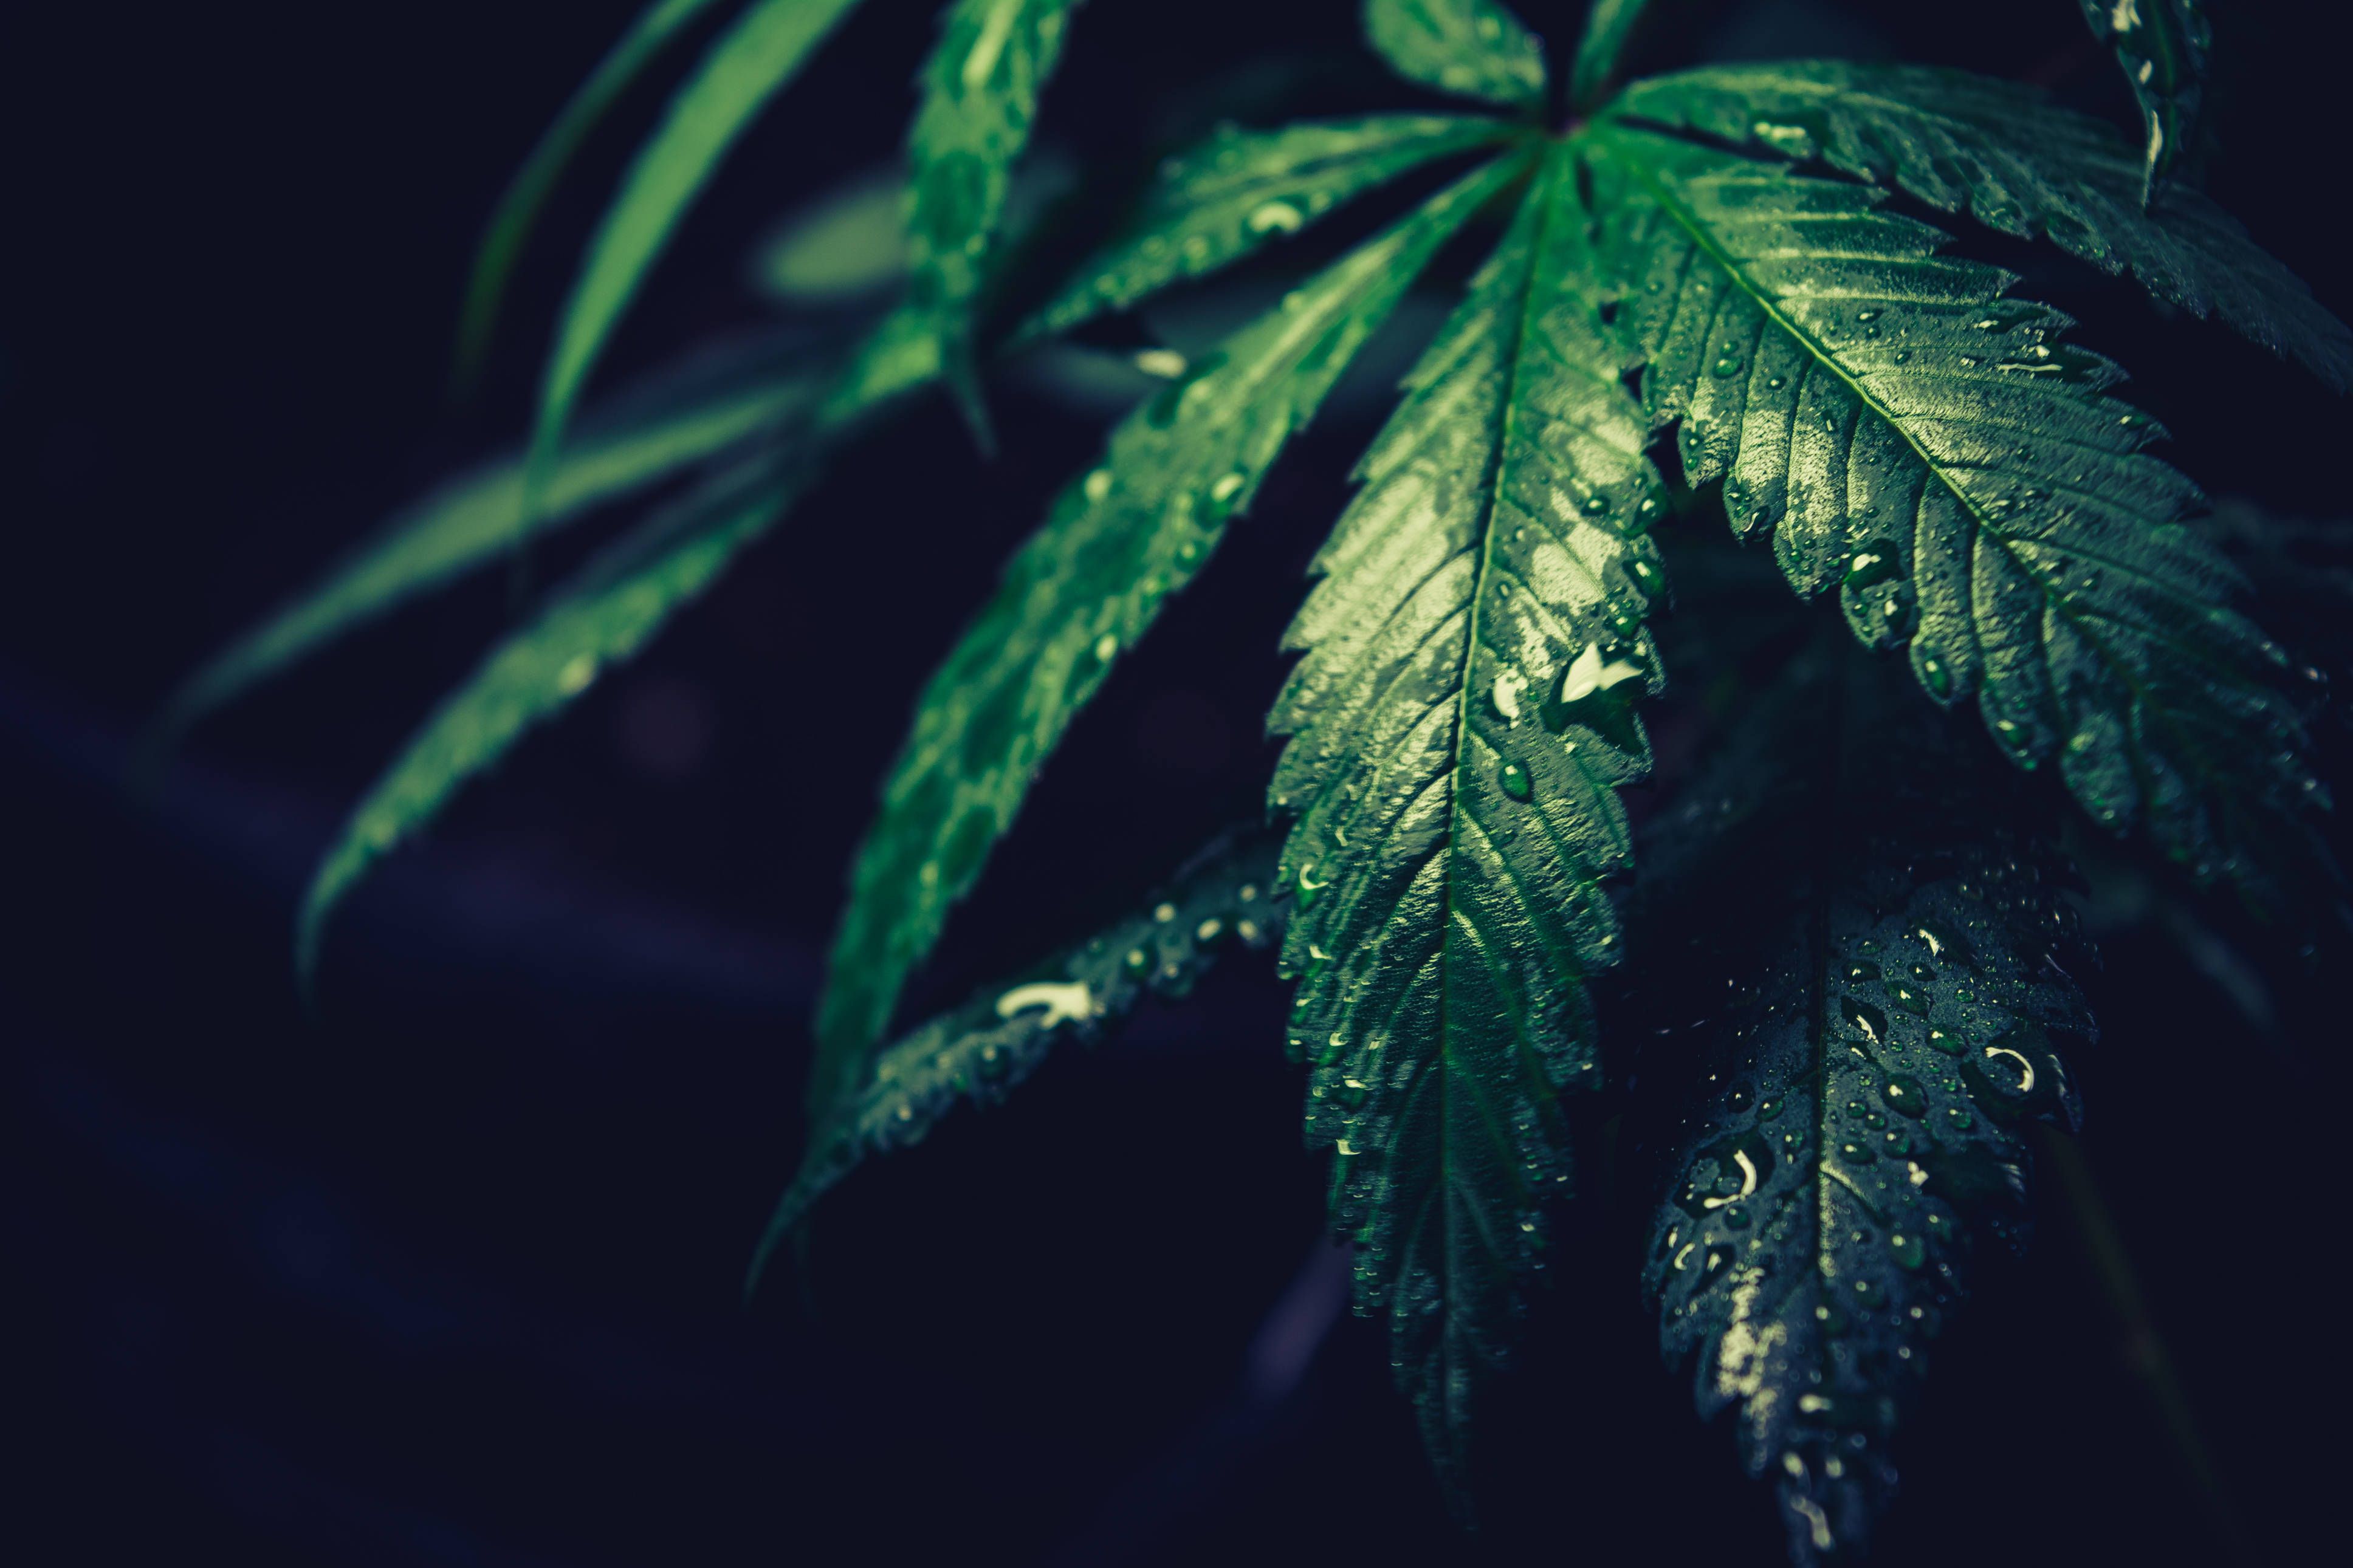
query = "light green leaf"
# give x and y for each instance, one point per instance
(2162, 45)
(646, 437)
(1118, 541)
(1847, 1125)
(1608, 29)
(1240, 189)
(980, 94)
(2016, 164)
(980, 1051)
(1932, 448)
(1460, 724)
(1476, 48)
(655, 27)
(744, 68)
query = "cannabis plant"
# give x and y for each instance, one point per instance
(1736, 290)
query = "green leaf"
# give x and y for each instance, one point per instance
(980, 93)
(2017, 164)
(601, 618)
(1237, 190)
(610, 609)
(1475, 48)
(744, 68)
(1932, 448)
(1460, 723)
(655, 27)
(646, 437)
(1601, 52)
(2162, 45)
(1085, 587)
(981, 1050)
(1843, 1128)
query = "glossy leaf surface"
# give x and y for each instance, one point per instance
(670, 427)
(1460, 723)
(1939, 455)
(980, 94)
(659, 25)
(1475, 48)
(2016, 164)
(2162, 46)
(979, 1052)
(1843, 1127)
(743, 70)
(1240, 189)
(1086, 586)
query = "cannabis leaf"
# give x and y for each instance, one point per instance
(602, 617)
(2162, 46)
(1117, 543)
(1459, 724)
(980, 93)
(743, 70)
(980, 1051)
(703, 413)
(1845, 1127)
(1927, 445)
(1223, 199)
(1601, 51)
(659, 25)
(2017, 164)
(1476, 48)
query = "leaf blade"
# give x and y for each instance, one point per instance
(2016, 164)
(1914, 437)
(480, 515)
(503, 238)
(1601, 50)
(1845, 1130)
(1088, 584)
(980, 1051)
(1458, 725)
(2162, 46)
(1220, 201)
(1475, 48)
(745, 66)
(981, 87)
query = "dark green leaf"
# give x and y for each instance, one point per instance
(645, 438)
(1240, 189)
(1118, 541)
(1934, 451)
(1880, 1003)
(2016, 164)
(748, 64)
(980, 93)
(982, 1049)
(1476, 48)
(1601, 52)
(2162, 46)
(1459, 726)
(602, 619)
(655, 27)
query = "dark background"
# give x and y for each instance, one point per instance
(448, 1273)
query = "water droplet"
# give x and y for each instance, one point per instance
(1596, 505)
(1909, 1250)
(1514, 781)
(1902, 1093)
(1164, 913)
(577, 672)
(1098, 484)
(1226, 487)
(1865, 1017)
(1106, 648)
(1936, 677)
(1728, 364)
(1062, 1002)
(1270, 218)
(1866, 315)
